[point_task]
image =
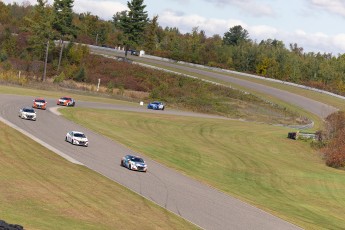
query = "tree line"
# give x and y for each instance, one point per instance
(132, 29)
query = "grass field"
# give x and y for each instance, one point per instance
(254, 162)
(40, 190)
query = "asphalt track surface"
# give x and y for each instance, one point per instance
(202, 205)
(320, 109)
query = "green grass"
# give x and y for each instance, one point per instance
(55, 94)
(254, 162)
(40, 190)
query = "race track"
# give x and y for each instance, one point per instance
(200, 204)
(320, 109)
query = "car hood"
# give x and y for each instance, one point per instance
(80, 138)
(140, 164)
(30, 114)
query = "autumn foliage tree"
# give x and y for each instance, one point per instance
(333, 136)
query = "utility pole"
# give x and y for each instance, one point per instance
(45, 63)
(60, 57)
(96, 39)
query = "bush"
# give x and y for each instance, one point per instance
(60, 78)
(7, 66)
(70, 71)
(333, 135)
(3, 56)
(81, 75)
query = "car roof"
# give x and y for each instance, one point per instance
(76, 132)
(132, 156)
(28, 108)
(39, 98)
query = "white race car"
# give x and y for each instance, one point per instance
(77, 138)
(27, 113)
(134, 163)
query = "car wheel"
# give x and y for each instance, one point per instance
(163, 108)
(65, 138)
(121, 163)
(130, 167)
(72, 142)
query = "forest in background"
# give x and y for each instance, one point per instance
(22, 27)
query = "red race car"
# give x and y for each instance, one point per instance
(40, 103)
(66, 101)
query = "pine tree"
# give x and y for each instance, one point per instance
(151, 35)
(235, 36)
(39, 24)
(63, 18)
(133, 23)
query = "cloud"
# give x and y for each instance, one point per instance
(105, 9)
(263, 32)
(331, 6)
(185, 23)
(311, 42)
(251, 7)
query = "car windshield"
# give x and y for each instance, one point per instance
(79, 135)
(28, 110)
(66, 98)
(156, 102)
(40, 100)
(137, 159)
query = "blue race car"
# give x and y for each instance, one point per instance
(156, 105)
(134, 163)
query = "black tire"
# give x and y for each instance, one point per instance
(66, 139)
(122, 163)
(130, 167)
(72, 142)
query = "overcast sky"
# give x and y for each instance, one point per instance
(315, 25)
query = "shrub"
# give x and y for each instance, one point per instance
(3, 56)
(7, 66)
(70, 71)
(81, 75)
(333, 135)
(60, 78)
(110, 87)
